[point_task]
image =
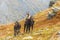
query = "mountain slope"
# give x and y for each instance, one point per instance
(44, 29)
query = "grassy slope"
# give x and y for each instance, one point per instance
(44, 29)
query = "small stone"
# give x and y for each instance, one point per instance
(28, 37)
(8, 37)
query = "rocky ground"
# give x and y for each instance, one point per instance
(44, 29)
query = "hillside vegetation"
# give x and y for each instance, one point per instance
(44, 29)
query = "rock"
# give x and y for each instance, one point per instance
(28, 37)
(58, 33)
(8, 37)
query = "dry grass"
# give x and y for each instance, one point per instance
(44, 29)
